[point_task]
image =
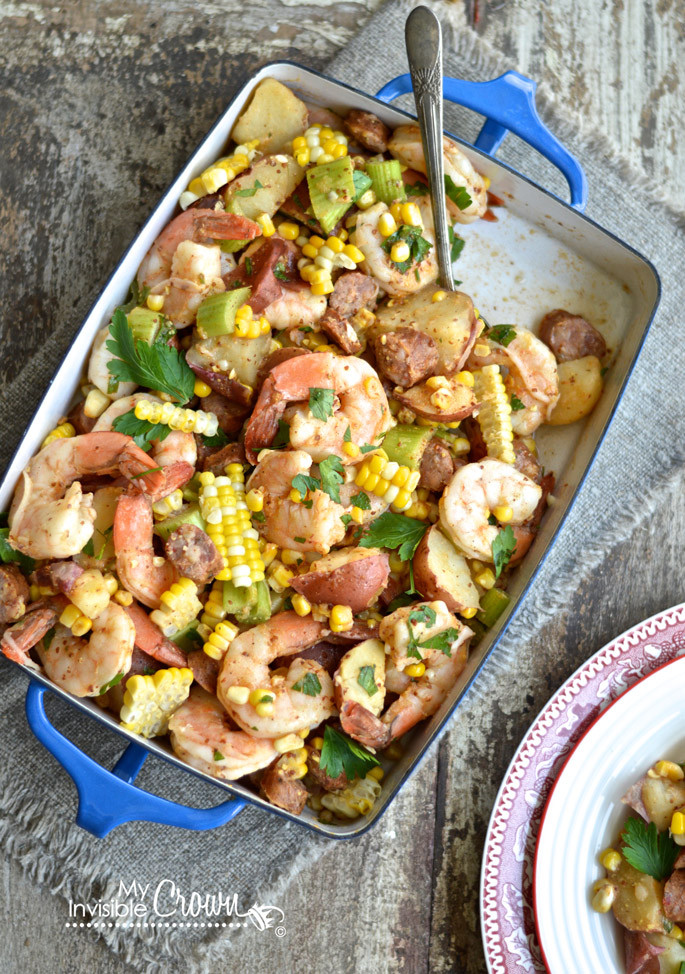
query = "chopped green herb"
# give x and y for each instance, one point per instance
(259, 516)
(416, 189)
(156, 366)
(219, 439)
(303, 483)
(282, 437)
(457, 194)
(250, 191)
(340, 753)
(347, 438)
(346, 518)
(308, 504)
(502, 334)
(309, 684)
(456, 244)
(516, 403)
(395, 531)
(88, 548)
(366, 679)
(404, 598)
(280, 272)
(423, 614)
(361, 500)
(418, 245)
(48, 637)
(218, 756)
(112, 683)
(442, 641)
(8, 553)
(647, 850)
(321, 403)
(299, 540)
(142, 431)
(248, 266)
(503, 547)
(267, 698)
(368, 447)
(143, 473)
(332, 476)
(137, 299)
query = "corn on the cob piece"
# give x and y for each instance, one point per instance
(179, 605)
(319, 144)
(149, 701)
(220, 639)
(168, 505)
(387, 479)
(219, 173)
(177, 418)
(62, 432)
(494, 413)
(225, 510)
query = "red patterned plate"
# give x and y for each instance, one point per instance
(507, 918)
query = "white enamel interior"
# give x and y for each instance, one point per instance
(539, 255)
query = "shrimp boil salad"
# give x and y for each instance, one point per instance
(289, 498)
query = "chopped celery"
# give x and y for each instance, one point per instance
(260, 608)
(188, 638)
(478, 630)
(216, 314)
(187, 515)
(492, 605)
(231, 246)
(386, 180)
(237, 599)
(144, 324)
(362, 182)
(331, 190)
(405, 444)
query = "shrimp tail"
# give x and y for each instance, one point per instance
(402, 715)
(150, 639)
(214, 225)
(263, 423)
(138, 467)
(20, 638)
(175, 475)
(364, 726)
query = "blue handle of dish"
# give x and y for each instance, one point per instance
(508, 103)
(110, 798)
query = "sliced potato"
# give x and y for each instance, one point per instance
(349, 576)
(673, 952)
(442, 573)
(229, 353)
(365, 662)
(451, 322)
(661, 798)
(275, 116)
(278, 175)
(454, 401)
(90, 594)
(638, 899)
(580, 386)
(105, 505)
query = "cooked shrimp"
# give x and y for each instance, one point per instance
(532, 376)
(176, 446)
(405, 145)
(98, 373)
(475, 490)
(46, 522)
(145, 575)
(295, 308)
(18, 640)
(284, 520)
(421, 697)
(246, 664)
(201, 733)
(360, 405)
(84, 666)
(378, 264)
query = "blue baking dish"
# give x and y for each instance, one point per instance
(542, 253)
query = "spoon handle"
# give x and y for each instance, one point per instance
(423, 38)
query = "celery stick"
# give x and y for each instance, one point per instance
(144, 324)
(405, 444)
(362, 181)
(492, 605)
(187, 515)
(260, 609)
(386, 180)
(231, 246)
(216, 314)
(331, 191)
(188, 638)
(239, 599)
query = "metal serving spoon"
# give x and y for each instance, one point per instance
(423, 38)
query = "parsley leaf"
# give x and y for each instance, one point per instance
(347, 438)
(423, 614)
(516, 403)
(361, 500)
(280, 272)
(346, 518)
(404, 598)
(366, 680)
(88, 548)
(492, 520)
(502, 334)
(309, 684)
(395, 531)
(299, 541)
(156, 366)
(368, 447)
(142, 431)
(219, 439)
(503, 547)
(321, 403)
(418, 246)
(303, 483)
(112, 683)
(282, 438)
(457, 194)
(331, 470)
(137, 299)
(248, 266)
(250, 191)
(416, 189)
(8, 553)
(340, 753)
(48, 637)
(259, 516)
(456, 244)
(441, 640)
(647, 850)
(218, 756)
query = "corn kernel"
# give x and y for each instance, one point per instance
(214, 179)
(503, 513)
(486, 579)
(341, 619)
(63, 431)
(354, 253)
(290, 557)
(82, 626)
(317, 742)
(670, 770)
(387, 225)
(267, 224)
(396, 210)
(324, 288)
(201, 389)
(486, 181)
(610, 859)
(439, 296)
(357, 515)
(678, 823)
(399, 252)
(438, 382)
(264, 709)
(289, 231)
(299, 143)
(288, 743)
(197, 187)
(466, 378)
(481, 350)
(604, 898)
(411, 214)
(335, 244)
(123, 597)
(351, 449)
(376, 773)
(415, 670)
(254, 500)
(238, 695)
(366, 200)
(155, 302)
(676, 932)
(95, 404)
(301, 605)
(468, 613)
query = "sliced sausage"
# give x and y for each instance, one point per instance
(205, 669)
(674, 897)
(325, 653)
(14, 594)
(340, 330)
(257, 272)
(208, 202)
(78, 419)
(231, 415)
(570, 336)
(357, 634)
(406, 356)
(321, 778)
(368, 130)
(284, 790)
(60, 576)
(526, 461)
(352, 292)
(437, 466)
(193, 554)
(525, 533)
(216, 461)
(220, 382)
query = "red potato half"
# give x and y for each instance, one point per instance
(440, 572)
(458, 401)
(350, 576)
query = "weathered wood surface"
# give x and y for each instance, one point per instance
(100, 102)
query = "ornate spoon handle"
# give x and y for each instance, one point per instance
(423, 38)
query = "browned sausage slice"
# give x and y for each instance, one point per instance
(321, 778)
(205, 669)
(674, 897)
(352, 292)
(570, 336)
(220, 382)
(193, 554)
(257, 272)
(325, 653)
(437, 466)
(283, 790)
(78, 419)
(406, 356)
(14, 594)
(368, 130)
(526, 461)
(216, 461)
(341, 331)
(231, 415)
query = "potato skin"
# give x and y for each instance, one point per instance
(351, 576)
(464, 594)
(580, 386)
(274, 116)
